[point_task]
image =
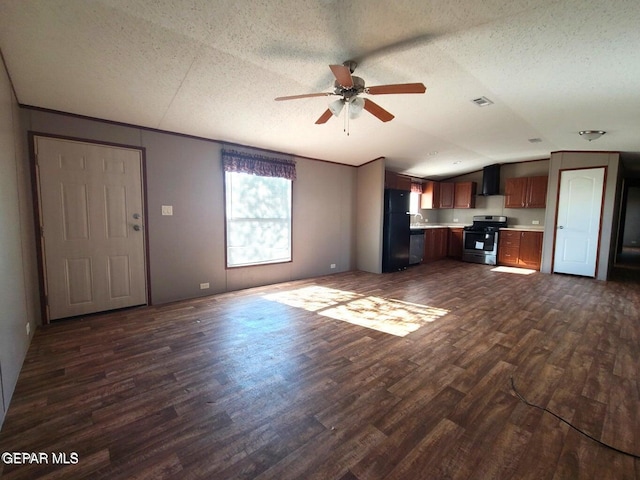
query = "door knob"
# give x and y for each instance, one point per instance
(136, 216)
(560, 227)
(137, 228)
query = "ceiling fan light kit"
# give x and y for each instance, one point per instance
(349, 87)
(336, 107)
(591, 135)
(355, 107)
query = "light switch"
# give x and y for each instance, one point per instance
(167, 209)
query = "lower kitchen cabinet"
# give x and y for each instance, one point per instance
(520, 248)
(455, 243)
(436, 242)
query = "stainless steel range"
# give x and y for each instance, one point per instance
(480, 240)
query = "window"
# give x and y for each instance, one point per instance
(414, 203)
(414, 198)
(258, 213)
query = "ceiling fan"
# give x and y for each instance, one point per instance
(349, 87)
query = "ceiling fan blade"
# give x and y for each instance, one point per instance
(397, 88)
(324, 117)
(343, 75)
(377, 111)
(304, 95)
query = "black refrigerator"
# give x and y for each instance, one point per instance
(396, 230)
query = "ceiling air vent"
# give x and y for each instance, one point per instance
(482, 101)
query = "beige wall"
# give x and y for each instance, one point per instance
(369, 216)
(187, 249)
(19, 295)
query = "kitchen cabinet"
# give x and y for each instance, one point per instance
(509, 248)
(526, 192)
(530, 250)
(520, 248)
(435, 243)
(430, 197)
(396, 181)
(464, 195)
(537, 192)
(515, 191)
(447, 194)
(455, 243)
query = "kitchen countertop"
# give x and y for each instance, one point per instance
(437, 225)
(527, 228)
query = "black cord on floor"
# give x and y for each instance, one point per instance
(545, 409)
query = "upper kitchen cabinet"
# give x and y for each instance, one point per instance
(430, 197)
(464, 195)
(515, 192)
(537, 192)
(526, 192)
(447, 194)
(397, 181)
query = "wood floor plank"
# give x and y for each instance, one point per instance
(270, 383)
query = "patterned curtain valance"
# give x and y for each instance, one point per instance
(416, 187)
(233, 161)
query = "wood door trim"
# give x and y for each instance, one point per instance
(32, 135)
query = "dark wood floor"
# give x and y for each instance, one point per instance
(629, 257)
(274, 383)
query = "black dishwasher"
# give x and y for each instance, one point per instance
(416, 246)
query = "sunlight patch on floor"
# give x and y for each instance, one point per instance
(519, 271)
(382, 314)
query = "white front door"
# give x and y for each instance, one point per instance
(578, 222)
(91, 215)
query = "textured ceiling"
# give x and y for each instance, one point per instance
(212, 69)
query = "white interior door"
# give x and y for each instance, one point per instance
(578, 222)
(91, 215)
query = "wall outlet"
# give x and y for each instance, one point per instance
(204, 286)
(28, 329)
(455, 220)
(333, 265)
(167, 209)
(535, 222)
